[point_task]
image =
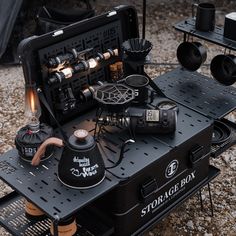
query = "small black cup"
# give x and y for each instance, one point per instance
(191, 55)
(139, 84)
(205, 17)
(223, 69)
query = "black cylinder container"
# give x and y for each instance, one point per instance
(81, 165)
(139, 84)
(205, 17)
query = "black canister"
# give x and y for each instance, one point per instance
(27, 141)
(139, 83)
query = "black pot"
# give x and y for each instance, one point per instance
(191, 55)
(223, 69)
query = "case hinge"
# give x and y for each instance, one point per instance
(148, 188)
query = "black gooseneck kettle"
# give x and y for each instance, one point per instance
(81, 165)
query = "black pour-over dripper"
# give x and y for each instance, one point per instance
(137, 48)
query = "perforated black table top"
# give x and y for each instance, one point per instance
(41, 186)
(198, 92)
(216, 36)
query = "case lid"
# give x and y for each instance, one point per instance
(106, 31)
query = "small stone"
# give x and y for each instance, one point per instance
(199, 228)
(208, 219)
(206, 234)
(190, 224)
(234, 214)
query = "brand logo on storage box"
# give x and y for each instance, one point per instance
(172, 192)
(171, 169)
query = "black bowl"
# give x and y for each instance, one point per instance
(191, 55)
(223, 69)
(137, 48)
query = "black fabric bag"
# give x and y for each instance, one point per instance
(15, 13)
(9, 11)
(49, 19)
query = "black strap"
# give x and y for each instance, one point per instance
(46, 105)
(154, 86)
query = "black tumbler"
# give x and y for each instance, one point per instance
(139, 83)
(205, 17)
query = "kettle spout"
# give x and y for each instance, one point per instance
(41, 150)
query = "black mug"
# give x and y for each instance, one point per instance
(205, 16)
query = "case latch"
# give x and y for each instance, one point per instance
(111, 13)
(148, 188)
(196, 154)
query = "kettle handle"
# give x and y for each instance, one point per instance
(42, 148)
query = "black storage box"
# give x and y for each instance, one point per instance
(176, 164)
(230, 25)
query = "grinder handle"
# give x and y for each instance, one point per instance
(41, 150)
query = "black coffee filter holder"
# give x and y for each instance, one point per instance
(217, 36)
(137, 48)
(114, 97)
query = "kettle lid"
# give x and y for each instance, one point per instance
(81, 139)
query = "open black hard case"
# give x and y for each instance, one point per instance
(100, 33)
(144, 188)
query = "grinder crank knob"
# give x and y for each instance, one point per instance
(81, 134)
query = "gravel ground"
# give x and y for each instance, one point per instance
(187, 219)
